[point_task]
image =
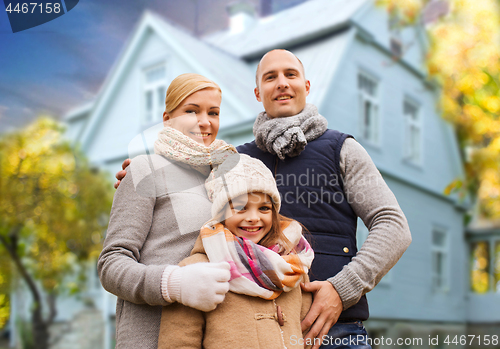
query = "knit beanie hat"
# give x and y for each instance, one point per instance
(239, 174)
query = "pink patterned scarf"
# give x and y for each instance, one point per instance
(256, 270)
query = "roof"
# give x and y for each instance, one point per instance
(329, 16)
(226, 70)
(321, 61)
(219, 57)
(79, 111)
(480, 225)
(233, 76)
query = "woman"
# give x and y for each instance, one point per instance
(156, 216)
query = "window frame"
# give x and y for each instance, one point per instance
(444, 250)
(409, 123)
(492, 240)
(153, 87)
(370, 133)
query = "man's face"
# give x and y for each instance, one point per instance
(281, 84)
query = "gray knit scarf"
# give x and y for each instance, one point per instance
(288, 136)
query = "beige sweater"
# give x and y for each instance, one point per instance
(240, 321)
(156, 216)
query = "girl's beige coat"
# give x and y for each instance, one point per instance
(239, 322)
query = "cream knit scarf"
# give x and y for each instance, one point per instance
(288, 136)
(176, 146)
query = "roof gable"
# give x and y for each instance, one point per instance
(233, 76)
(321, 61)
(313, 18)
(373, 24)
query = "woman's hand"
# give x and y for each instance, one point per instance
(201, 285)
(121, 174)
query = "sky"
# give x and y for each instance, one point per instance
(59, 65)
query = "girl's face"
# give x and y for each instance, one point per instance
(250, 216)
(197, 116)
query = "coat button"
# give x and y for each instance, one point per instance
(346, 250)
(280, 316)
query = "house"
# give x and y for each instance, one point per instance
(368, 79)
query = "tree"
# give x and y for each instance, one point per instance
(464, 58)
(53, 212)
(4, 291)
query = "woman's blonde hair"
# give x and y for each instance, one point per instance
(184, 86)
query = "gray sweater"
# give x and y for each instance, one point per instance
(156, 216)
(389, 234)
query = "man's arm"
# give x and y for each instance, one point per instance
(121, 174)
(389, 236)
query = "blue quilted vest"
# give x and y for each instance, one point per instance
(312, 192)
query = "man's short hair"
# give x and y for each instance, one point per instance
(276, 49)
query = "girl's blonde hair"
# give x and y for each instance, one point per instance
(184, 86)
(276, 234)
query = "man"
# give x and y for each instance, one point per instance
(326, 180)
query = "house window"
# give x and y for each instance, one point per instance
(413, 141)
(480, 265)
(155, 87)
(368, 100)
(439, 260)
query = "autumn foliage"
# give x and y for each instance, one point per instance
(464, 58)
(53, 214)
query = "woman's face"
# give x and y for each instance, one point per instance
(197, 116)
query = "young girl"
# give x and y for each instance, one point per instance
(268, 256)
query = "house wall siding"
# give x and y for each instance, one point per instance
(409, 294)
(341, 108)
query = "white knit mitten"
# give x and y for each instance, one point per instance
(201, 285)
